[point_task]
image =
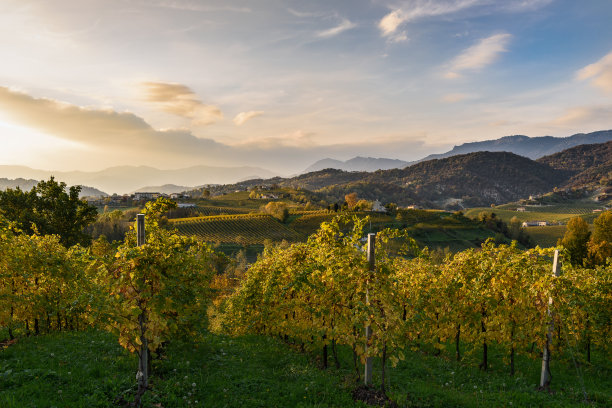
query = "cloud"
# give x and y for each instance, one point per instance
(414, 10)
(296, 139)
(303, 14)
(242, 117)
(186, 5)
(600, 73)
(103, 129)
(106, 138)
(179, 100)
(478, 56)
(343, 26)
(585, 116)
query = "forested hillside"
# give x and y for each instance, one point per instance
(587, 164)
(473, 179)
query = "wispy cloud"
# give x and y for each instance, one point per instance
(296, 139)
(303, 14)
(190, 5)
(600, 73)
(479, 55)
(179, 100)
(242, 117)
(408, 11)
(391, 22)
(343, 26)
(585, 116)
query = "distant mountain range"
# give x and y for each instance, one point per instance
(126, 179)
(466, 180)
(27, 185)
(363, 170)
(531, 147)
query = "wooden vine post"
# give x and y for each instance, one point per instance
(143, 355)
(368, 330)
(545, 375)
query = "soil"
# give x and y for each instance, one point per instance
(373, 396)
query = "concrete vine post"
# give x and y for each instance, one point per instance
(368, 329)
(545, 374)
(143, 355)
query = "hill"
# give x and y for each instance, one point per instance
(588, 165)
(358, 164)
(473, 179)
(531, 147)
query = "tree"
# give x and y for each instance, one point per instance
(575, 240)
(49, 209)
(205, 193)
(600, 244)
(351, 200)
(277, 209)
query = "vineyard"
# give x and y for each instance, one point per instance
(208, 211)
(247, 229)
(485, 308)
(321, 294)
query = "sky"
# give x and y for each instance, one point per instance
(90, 84)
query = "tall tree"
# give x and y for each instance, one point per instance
(600, 244)
(575, 240)
(50, 208)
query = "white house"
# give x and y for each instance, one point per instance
(534, 224)
(378, 207)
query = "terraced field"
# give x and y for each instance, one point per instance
(245, 229)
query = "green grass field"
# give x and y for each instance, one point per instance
(551, 213)
(89, 369)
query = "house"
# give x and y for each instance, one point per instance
(534, 224)
(413, 207)
(521, 209)
(186, 205)
(378, 207)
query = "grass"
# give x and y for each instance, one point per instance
(89, 369)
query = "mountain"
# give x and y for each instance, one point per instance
(27, 185)
(357, 164)
(587, 165)
(124, 179)
(474, 179)
(532, 147)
